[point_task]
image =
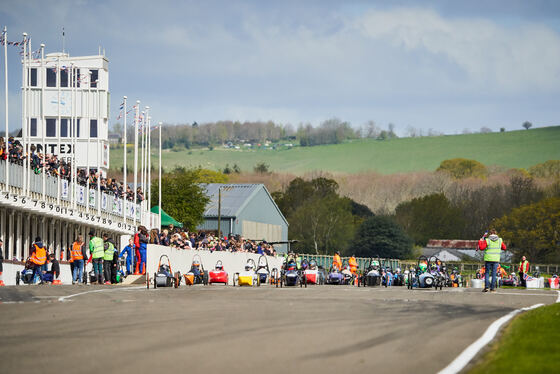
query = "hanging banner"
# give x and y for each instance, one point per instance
(117, 206)
(130, 208)
(81, 195)
(92, 198)
(64, 189)
(104, 201)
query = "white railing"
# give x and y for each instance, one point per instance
(107, 212)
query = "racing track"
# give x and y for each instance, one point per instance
(216, 329)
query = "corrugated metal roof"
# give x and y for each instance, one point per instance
(234, 197)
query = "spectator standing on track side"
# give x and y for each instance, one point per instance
(77, 258)
(523, 271)
(108, 256)
(55, 267)
(129, 250)
(38, 258)
(96, 251)
(114, 262)
(143, 238)
(337, 262)
(492, 247)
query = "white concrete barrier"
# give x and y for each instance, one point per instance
(9, 275)
(181, 260)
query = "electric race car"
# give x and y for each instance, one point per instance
(425, 275)
(371, 276)
(197, 274)
(291, 276)
(263, 272)
(218, 274)
(314, 274)
(247, 277)
(335, 276)
(164, 277)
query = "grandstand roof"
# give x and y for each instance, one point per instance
(234, 198)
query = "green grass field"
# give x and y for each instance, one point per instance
(514, 149)
(528, 345)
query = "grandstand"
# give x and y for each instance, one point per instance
(65, 115)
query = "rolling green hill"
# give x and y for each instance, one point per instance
(514, 149)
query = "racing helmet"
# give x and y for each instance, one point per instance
(312, 264)
(248, 266)
(423, 266)
(219, 265)
(398, 270)
(196, 262)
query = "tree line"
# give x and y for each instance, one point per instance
(331, 131)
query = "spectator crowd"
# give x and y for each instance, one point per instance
(207, 240)
(59, 167)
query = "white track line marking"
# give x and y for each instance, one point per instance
(524, 294)
(468, 354)
(64, 298)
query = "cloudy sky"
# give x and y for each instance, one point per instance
(441, 65)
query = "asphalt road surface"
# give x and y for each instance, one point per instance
(217, 329)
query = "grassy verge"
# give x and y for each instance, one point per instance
(529, 344)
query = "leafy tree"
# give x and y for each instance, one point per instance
(381, 236)
(321, 219)
(299, 190)
(261, 168)
(533, 230)
(183, 196)
(527, 125)
(322, 225)
(548, 169)
(430, 217)
(463, 168)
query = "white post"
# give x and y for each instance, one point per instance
(6, 110)
(159, 178)
(43, 75)
(99, 146)
(142, 130)
(137, 113)
(72, 185)
(88, 129)
(24, 112)
(125, 170)
(59, 127)
(149, 165)
(27, 57)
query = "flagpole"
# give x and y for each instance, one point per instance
(99, 147)
(137, 113)
(149, 182)
(58, 131)
(125, 170)
(88, 129)
(43, 126)
(159, 183)
(23, 113)
(27, 119)
(142, 157)
(71, 185)
(7, 180)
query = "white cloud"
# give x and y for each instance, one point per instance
(511, 58)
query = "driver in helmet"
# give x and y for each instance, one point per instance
(195, 268)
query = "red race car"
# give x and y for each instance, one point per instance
(218, 274)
